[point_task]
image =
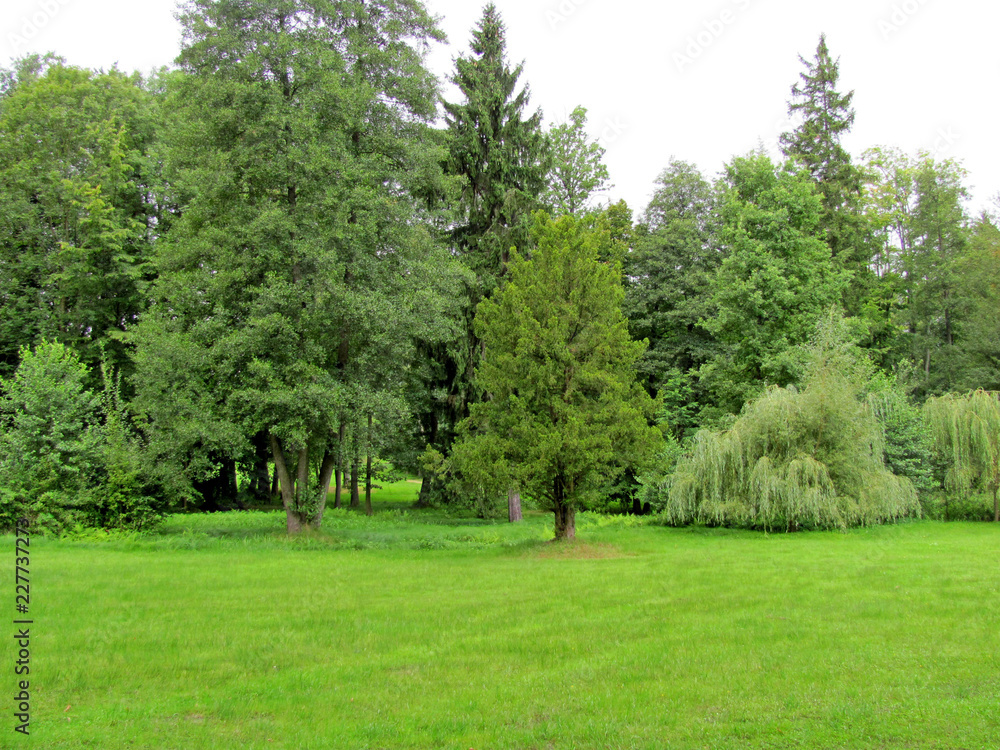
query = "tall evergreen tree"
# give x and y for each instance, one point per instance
(565, 408)
(500, 153)
(826, 117)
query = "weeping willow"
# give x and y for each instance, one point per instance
(794, 459)
(966, 431)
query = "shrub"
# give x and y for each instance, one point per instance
(51, 440)
(60, 467)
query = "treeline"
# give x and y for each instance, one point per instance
(286, 267)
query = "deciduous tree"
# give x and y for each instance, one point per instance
(300, 257)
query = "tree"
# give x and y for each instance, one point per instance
(796, 458)
(499, 153)
(668, 292)
(578, 172)
(559, 366)
(966, 430)
(977, 277)
(300, 258)
(500, 157)
(827, 115)
(940, 238)
(77, 207)
(776, 282)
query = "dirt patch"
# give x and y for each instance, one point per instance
(578, 551)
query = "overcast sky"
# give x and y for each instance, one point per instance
(698, 81)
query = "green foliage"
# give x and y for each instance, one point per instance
(668, 290)
(941, 278)
(966, 430)
(301, 270)
(577, 171)
(776, 282)
(827, 115)
(500, 155)
(909, 447)
(127, 496)
(65, 462)
(809, 458)
(50, 446)
(77, 187)
(564, 410)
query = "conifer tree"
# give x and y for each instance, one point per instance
(565, 409)
(499, 155)
(826, 117)
(498, 151)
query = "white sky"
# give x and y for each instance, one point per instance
(702, 81)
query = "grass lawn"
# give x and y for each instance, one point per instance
(412, 630)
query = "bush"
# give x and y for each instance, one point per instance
(909, 446)
(51, 440)
(60, 467)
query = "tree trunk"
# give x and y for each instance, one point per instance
(565, 522)
(275, 484)
(261, 479)
(232, 485)
(339, 472)
(514, 505)
(996, 506)
(293, 520)
(325, 475)
(355, 470)
(426, 489)
(302, 482)
(368, 470)
(565, 512)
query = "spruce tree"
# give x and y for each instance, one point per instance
(499, 155)
(826, 117)
(498, 152)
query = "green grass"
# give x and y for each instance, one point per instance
(411, 630)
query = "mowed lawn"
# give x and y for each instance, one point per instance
(413, 631)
